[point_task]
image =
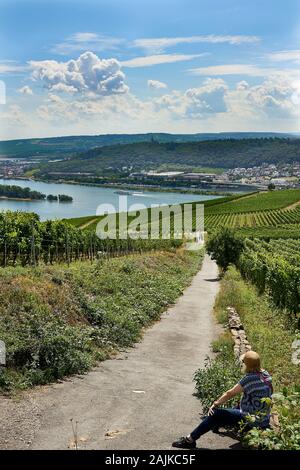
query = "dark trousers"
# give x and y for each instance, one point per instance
(221, 417)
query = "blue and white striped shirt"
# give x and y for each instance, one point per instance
(256, 385)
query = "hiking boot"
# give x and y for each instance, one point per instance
(184, 443)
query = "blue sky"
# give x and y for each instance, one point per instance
(90, 67)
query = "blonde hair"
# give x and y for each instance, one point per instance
(252, 361)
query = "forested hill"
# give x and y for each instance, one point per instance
(65, 146)
(227, 153)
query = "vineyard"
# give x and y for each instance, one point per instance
(257, 202)
(270, 218)
(25, 240)
(259, 211)
(270, 211)
(274, 267)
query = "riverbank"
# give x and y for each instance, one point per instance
(87, 199)
(133, 187)
(18, 199)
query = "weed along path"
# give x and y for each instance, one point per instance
(143, 398)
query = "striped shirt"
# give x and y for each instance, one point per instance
(256, 385)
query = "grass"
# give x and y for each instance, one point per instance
(258, 202)
(57, 321)
(269, 330)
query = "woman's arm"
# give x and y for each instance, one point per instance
(236, 390)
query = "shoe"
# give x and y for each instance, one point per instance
(184, 443)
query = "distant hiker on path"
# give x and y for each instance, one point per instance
(254, 386)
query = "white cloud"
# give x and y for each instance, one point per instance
(158, 45)
(156, 84)
(281, 56)
(234, 69)
(271, 100)
(25, 90)
(83, 37)
(87, 41)
(273, 104)
(196, 103)
(243, 85)
(13, 114)
(11, 66)
(113, 107)
(87, 74)
(62, 87)
(274, 100)
(147, 61)
(274, 97)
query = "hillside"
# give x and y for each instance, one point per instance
(67, 146)
(228, 153)
(58, 321)
(266, 214)
(70, 311)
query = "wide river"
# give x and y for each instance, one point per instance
(86, 199)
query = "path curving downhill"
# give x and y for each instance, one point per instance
(144, 397)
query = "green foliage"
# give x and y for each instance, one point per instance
(58, 321)
(70, 145)
(262, 201)
(260, 214)
(269, 330)
(274, 267)
(17, 192)
(226, 153)
(287, 435)
(267, 233)
(271, 333)
(25, 240)
(64, 198)
(217, 376)
(225, 247)
(52, 198)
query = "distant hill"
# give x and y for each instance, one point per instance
(227, 153)
(60, 147)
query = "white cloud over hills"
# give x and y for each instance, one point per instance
(86, 74)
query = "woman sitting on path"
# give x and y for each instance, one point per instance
(254, 386)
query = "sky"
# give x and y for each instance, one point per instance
(131, 66)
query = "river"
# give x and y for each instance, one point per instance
(86, 199)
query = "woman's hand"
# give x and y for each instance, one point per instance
(211, 410)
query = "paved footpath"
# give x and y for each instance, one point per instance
(143, 398)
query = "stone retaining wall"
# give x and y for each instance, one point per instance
(241, 344)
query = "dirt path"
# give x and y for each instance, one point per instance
(90, 222)
(144, 397)
(291, 206)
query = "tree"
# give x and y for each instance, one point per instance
(64, 198)
(225, 247)
(271, 186)
(52, 197)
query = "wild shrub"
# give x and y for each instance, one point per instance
(225, 247)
